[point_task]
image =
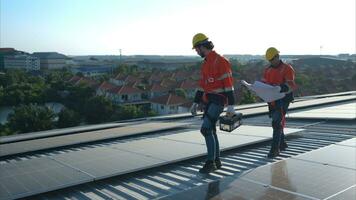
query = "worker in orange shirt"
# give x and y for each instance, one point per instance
(216, 91)
(280, 74)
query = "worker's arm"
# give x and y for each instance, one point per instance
(198, 96)
(289, 85)
(226, 77)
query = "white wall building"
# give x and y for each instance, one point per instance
(169, 104)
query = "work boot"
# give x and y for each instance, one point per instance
(208, 167)
(274, 152)
(283, 146)
(218, 163)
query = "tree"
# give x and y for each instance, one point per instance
(181, 92)
(98, 109)
(68, 118)
(5, 130)
(24, 93)
(128, 112)
(30, 118)
(78, 95)
(247, 97)
(12, 77)
(2, 96)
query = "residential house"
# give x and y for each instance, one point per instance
(170, 104)
(104, 88)
(125, 94)
(190, 87)
(157, 77)
(121, 79)
(156, 90)
(181, 75)
(169, 83)
(77, 80)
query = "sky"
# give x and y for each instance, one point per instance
(166, 27)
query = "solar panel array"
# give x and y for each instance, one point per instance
(85, 137)
(326, 173)
(115, 158)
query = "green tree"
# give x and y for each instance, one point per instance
(24, 93)
(353, 78)
(128, 112)
(30, 118)
(5, 130)
(68, 118)
(247, 97)
(12, 77)
(181, 92)
(2, 93)
(57, 76)
(78, 95)
(98, 109)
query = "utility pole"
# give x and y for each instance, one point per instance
(120, 57)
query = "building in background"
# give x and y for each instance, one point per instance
(91, 71)
(22, 61)
(170, 104)
(51, 60)
(6, 52)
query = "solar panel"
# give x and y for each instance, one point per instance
(52, 142)
(351, 142)
(242, 136)
(340, 111)
(236, 189)
(347, 194)
(23, 178)
(102, 162)
(166, 150)
(96, 162)
(337, 155)
(307, 178)
(260, 131)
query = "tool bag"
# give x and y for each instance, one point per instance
(229, 124)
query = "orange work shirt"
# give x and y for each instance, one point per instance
(216, 74)
(284, 73)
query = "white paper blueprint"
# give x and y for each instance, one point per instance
(266, 92)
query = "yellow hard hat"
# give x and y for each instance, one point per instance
(271, 53)
(199, 37)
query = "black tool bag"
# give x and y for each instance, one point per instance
(230, 123)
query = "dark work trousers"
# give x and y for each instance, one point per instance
(277, 113)
(208, 129)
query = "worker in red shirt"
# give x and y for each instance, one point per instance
(280, 74)
(215, 91)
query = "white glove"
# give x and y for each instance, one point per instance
(194, 109)
(277, 88)
(230, 111)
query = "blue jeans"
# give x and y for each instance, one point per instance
(208, 129)
(278, 112)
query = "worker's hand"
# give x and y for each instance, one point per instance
(230, 111)
(194, 109)
(284, 87)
